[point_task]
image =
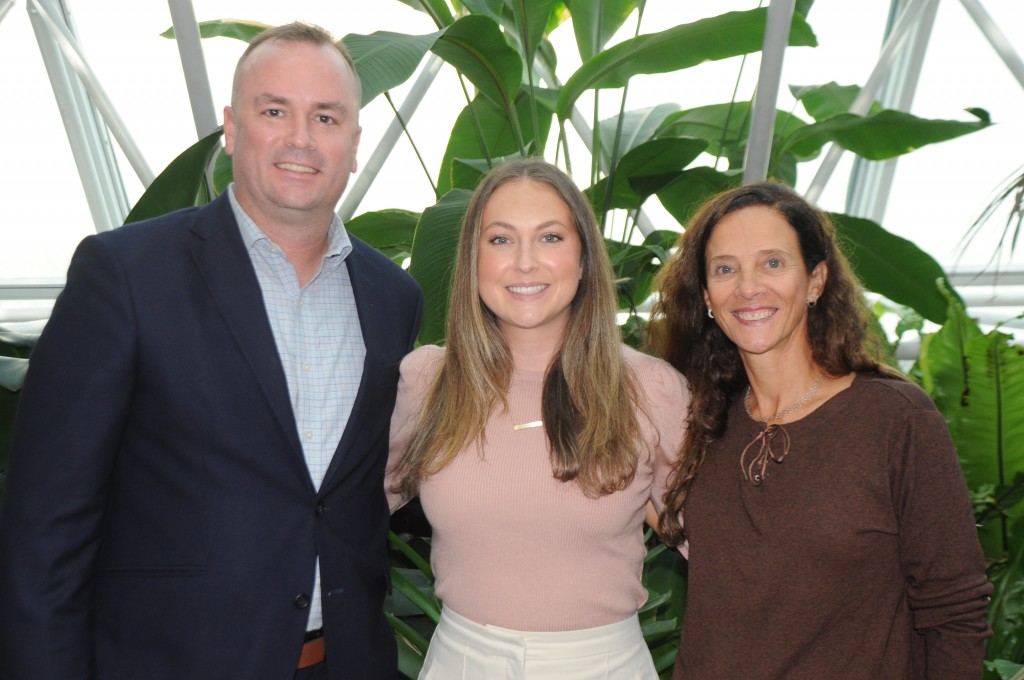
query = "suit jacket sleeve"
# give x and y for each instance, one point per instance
(71, 416)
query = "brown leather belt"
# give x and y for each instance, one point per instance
(312, 653)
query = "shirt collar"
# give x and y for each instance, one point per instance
(338, 242)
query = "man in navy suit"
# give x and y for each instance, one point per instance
(195, 485)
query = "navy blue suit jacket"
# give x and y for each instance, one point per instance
(159, 519)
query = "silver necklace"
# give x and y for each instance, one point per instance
(786, 411)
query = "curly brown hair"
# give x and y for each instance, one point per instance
(682, 333)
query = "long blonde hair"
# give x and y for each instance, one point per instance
(589, 402)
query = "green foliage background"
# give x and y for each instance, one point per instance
(501, 50)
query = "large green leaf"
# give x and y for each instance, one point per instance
(655, 158)
(385, 228)
(475, 46)
(634, 127)
(990, 430)
(489, 8)
(824, 101)
(182, 184)
(893, 266)
(941, 364)
(884, 135)
(726, 128)
(385, 60)
(436, 9)
(433, 259)
(687, 192)
(683, 46)
(664, 574)
(410, 659)
(467, 172)
(18, 338)
(421, 597)
(223, 172)
(484, 130)
(12, 373)
(596, 21)
(1006, 608)
(226, 28)
(636, 265)
(532, 18)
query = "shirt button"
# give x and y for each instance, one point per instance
(305, 368)
(308, 434)
(301, 601)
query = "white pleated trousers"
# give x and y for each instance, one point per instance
(464, 650)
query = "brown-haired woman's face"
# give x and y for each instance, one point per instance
(757, 283)
(528, 267)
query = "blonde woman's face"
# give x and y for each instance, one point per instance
(529, 261)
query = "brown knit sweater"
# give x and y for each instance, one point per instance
(857, 557)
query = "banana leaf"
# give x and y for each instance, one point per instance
(384, 60)
(182, 184)
(437, 10)
(679, 47)
(226, 28)
(880, 136)
(595, 22)
(484, 130)
(389, 231)
(893, 266)
(476, 47)
(433, 256)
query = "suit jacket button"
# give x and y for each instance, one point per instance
(320, 508)
(301, 601)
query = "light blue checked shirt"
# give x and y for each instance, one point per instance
(317, 332)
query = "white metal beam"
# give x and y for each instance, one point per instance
(5, 7)
(87, 135)
(901, 32)
(193, 66)
(870, 181)
(56, 19)
(766, 97)
(995, 36)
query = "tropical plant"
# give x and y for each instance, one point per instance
(501, 48)
(502, 53)
(1009, 196)
(977, 381)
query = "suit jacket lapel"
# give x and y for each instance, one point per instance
(225, 266)
(366, 408)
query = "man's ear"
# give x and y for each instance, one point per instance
(229, 130)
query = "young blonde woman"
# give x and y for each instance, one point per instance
(535, 439)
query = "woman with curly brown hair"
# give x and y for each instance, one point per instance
(535, 440)
(829, 529)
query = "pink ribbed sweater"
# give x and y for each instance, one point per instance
(516, 548)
